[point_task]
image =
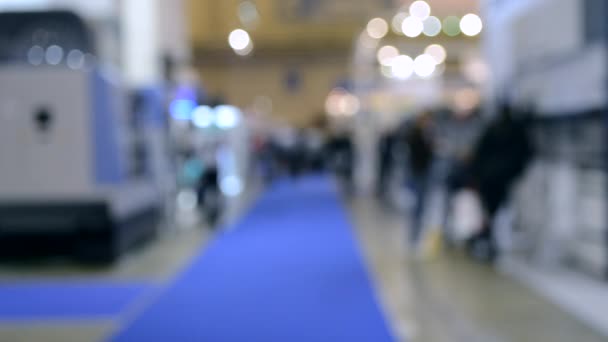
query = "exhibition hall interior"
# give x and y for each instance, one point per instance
(303, 170)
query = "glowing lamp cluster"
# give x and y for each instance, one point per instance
(417, 20)
(471, 25)
(403, 67)
(223, 117)
(341, 103)
(240, 41)
(377, 28)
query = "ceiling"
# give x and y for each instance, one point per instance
(302, 28)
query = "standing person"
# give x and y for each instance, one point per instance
(208, 189)
(419, 141)
(341, 155)
(287, 141)
(385, 165)
(298, 155)
(500, 157)
(314, 141)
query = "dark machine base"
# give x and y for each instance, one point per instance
(85, 231)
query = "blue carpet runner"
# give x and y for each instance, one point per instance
(69, 300)
(290, 270)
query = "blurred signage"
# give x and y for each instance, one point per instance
(558, 69)
(549, 29)
(91, 9)
(293, 80)
(331, 10)
(20, 5)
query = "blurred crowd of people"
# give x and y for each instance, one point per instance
(291, 152)
(482, 154)
(457, 152)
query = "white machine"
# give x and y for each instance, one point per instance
(561, 71)
(67, 179)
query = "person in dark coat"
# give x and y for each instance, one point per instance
(341, 156)
(499, 159)
(385, 164)
(420, 145)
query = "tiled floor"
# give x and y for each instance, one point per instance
(449, 298)
(581, 294)
(441, 298)
(155, 264)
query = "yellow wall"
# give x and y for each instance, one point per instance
(242, 84)
(212, 21)
(318, 50)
